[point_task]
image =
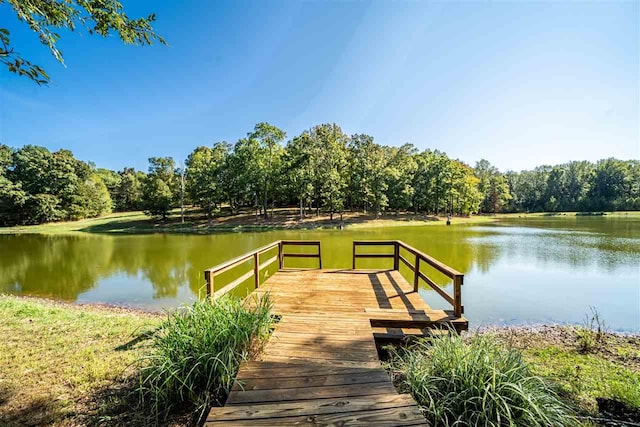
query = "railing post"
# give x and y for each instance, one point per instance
(256, 269)
(280, 255)
(457, 295)
(319, 257)
(208, 277)
(396, 256)
(353, 264)
(416, 274)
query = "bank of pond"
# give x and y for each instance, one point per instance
(65, 364)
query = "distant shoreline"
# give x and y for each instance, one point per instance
(283, 219)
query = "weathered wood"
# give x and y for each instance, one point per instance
(257, 267)
(416, 275)
(319, 406)
(440, 266)
(208, 277)
(320, 365)
(292, 394)
(436, 288)
(230, 286)
(457, 295)
(386, 417)
(256, 270)
(406, 262)
(268, 262)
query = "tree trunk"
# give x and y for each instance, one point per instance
(301, 211)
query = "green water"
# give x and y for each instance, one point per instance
(516, 271)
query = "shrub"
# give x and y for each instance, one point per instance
(195, 354)
(476, 382)
(592, 336)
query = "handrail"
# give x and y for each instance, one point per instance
(458, 278)
(211, 273)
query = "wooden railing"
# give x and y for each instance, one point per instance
(398, 256)
(255, 255)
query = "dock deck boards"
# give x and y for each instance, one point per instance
(321, 365)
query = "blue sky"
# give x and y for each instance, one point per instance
(520, 84)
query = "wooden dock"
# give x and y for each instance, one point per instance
(321, 364)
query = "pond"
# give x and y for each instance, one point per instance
(534, 270)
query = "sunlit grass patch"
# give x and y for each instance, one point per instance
(56, 358)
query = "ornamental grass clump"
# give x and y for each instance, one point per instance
(195, 354)
(476, 382)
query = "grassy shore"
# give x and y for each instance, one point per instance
(64, 364)
(592, 379)
(282, 219)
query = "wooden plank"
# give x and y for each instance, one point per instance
(440, 266)
(291, 394)
(316, 407)
(374, 242)
(301, 242)
(296, 255)
(324, 362)
(407, 263)
(221, 268)
(268, 262)
(374, 255)
(364, 377)
(233, 284)
(322, 350)
(436, 288)
(265, 369)
(402, 416)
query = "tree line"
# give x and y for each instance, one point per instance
(322, 169)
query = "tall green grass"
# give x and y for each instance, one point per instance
(476, 383)
(195, 354)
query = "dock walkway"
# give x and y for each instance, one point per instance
(321, 364)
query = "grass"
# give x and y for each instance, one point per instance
(62, 364)
(472, 382)
(609, 370)
(283, 218)
(195, 223)
(592, 335)
(196, 353)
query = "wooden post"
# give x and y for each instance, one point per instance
(208, 277)
(416, 274)
(280, 256)
(319, 257)
(256, 269)
(396, 256)
(457, 295)
(353, 265)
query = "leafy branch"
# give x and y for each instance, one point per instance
(46, 17)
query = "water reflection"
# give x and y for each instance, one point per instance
(540, 270)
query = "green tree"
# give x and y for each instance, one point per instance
(244, 176)
(269, 157)
(12, 196)
(128, 194)
(330, 164)
(205, 177)
(47, 18)
(158, 195)
(367, 173)
(401, 169)
(493, 186)
(297, 163)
